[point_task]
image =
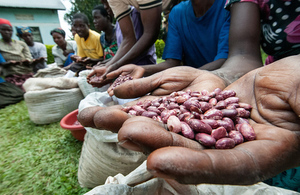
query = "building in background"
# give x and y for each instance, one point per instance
(40, 15)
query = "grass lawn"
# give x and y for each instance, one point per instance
(36, 159)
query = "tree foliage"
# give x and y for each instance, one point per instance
(82, 6)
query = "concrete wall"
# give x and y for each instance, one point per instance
(46, 20)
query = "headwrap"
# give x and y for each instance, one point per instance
(59, 30)
(21, 30)
(4, 21)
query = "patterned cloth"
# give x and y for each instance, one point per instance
(110, 51)
(22, 29)
(280, 27)
(18, 80)
(110, 48)
(280, 30)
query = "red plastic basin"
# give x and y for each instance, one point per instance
(70, 122)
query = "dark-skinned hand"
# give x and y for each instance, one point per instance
(131, 70)
(165, 82)
(98, 72)
(173, 79)
(273, 91)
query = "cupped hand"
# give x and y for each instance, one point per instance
(273, 91)
(86, 60)
(27, 62)
(131, 70)
(75, 58)
(109, 118)
(165, 82)
(96, 79)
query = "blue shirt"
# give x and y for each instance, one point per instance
(197, 40)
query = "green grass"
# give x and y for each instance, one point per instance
(36, 159)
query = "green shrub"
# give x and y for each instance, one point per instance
(49, 53)
(159, 46)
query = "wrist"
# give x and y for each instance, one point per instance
(227, 79)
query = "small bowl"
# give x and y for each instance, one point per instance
(70, 122)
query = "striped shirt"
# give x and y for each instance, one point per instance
(122, 8)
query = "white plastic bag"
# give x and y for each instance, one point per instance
(140, 182)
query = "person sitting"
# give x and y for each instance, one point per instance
(18, 65)
(89, 48)
(131, 48)
(37, 49)
(103, 23)
(196, 37)
(63, 50)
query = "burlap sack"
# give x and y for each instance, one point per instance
(36, 84)
(99, 160)
(140, 182)
(50, 72)
(52, 104)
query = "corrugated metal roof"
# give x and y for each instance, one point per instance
(37, 4)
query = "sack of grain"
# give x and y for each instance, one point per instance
(52, 104)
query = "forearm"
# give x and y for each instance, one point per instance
(138, 49)
(236, 66)
(152, 69)
(214, 65)
(125, 46)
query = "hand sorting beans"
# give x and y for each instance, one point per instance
(216, 119)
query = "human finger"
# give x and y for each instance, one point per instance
(110, 118)
(168, 81)
(145, 135)
(245, 164)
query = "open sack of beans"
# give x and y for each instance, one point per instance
(49, 99)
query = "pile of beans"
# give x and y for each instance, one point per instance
(121, 79)
(216, 119)
(95, 79)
